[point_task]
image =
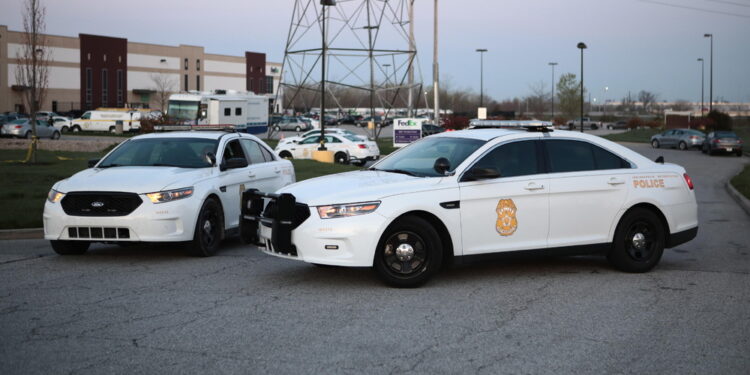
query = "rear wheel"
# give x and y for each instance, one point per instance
(682, 146)
(297, 129)
(639, 241)
(27, 135)
(703, 149)
(70, 247)
(76, 128)
(341, 158)
(655, 143)
(112, 129)
(408, 253)
(285, 155)
(55, 135)
(64, 129)
(208, 230)
(277, 128)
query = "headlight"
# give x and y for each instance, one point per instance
(54, 196)
(346, 210)
(170, 195)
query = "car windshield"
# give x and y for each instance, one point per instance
(726, 135)
(418, 158)
(183, 109)
(162, 152)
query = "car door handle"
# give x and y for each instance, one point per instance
(534, 186)
(251, 175)
(615, 181)
(277, 171)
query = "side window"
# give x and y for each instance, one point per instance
(253, 152)
(238, 111)
(87, 116)
(569, 156)
(233, 149)
(607, 160)
(513, 159)
(267, 154)
(330, 139)
(310, 140)
(227, 111)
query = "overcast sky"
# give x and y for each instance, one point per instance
(633, 44)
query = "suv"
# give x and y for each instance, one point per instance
(163, 187)
(292, 123)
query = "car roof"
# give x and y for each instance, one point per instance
(186, 134)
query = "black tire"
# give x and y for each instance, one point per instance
(421, 257)
(277, 128)
(639, 241)
(703, 149)
(594, 127)
(112, 129)
(655, 143)
(209, 228)
(76, 128)
(55, 136)
(738, 153)
(27, 135)
(64, 129)
(682, 146)
(610, 127)
(70, 247)
(341, 158)
(297, 129)
(285, 155)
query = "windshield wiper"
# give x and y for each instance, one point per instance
(401, 171)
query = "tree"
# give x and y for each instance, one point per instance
(164, 86)
(33, 62)
(647, 99)
(539, 98)
(569, 95)
(682, 105)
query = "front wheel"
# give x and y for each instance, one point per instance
(703, 149)
(76, 128)
(70, 247)
(55, 135)
(277, 128)
(208, 230)
(341, 158)
(639, 242)
(64, 129)
(408, 253)
(682, 146)
(285, 155)
(27, 135)
(297, 129)
(655, 143)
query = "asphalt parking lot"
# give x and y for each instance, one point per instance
(150, 309)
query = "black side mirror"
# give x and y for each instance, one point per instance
(479, 173)
(211, 158)
(233, 163)
(660, 160)
(93, 162)
(442, 165)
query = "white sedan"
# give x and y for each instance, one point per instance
(346, 148)
(471, 194)
(309, 133)
(165, 187)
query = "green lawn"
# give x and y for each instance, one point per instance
(24, 187)
(741, 182)
(635, 135)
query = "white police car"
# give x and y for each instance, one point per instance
(165, 187)
(466, 194)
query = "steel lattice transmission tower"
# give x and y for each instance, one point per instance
(370, 57)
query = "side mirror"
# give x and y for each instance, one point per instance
(442, 165)
(233, 163)
(479, 173)
(93, 162)
(660, 160)
(211, 158)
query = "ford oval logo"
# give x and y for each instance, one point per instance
(97, 204)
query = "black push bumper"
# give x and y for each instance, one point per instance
(680, 238)
(282, 214)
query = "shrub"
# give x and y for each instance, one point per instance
(635, 123)
(721, 120)
(456, 122)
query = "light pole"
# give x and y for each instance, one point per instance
(552, 64)
(436, 70)
(581, 46)
(481, 76)
(606, 88)
(711, 75)
(703, 71)
(324, 4)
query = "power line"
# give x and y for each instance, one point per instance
(695, 9)
(730, 3)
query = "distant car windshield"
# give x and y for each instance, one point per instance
(418, 158)
(162, 152)
(183, 109)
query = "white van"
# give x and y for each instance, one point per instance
(102, 121)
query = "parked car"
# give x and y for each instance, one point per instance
(346, 148)
(349, 119)
(45, 115)
(21, 128)
(292, 123)
(617, 125)
(468, 194)
(163, 187)
(61, 123)
(587, 124)
(722, 141)
(379, 121)
(680, 138)
(430, 129)
(331, 120)
(11, 116)
(309, 133)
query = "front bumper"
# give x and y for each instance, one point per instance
(164, 222)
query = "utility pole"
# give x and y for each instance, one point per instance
(411, 64)
(581, 46)
(703, 73)
(711, 75)
(481, 76)
(552, 64)
(436, 71)
(324, 4)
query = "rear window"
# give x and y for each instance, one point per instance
(573, 156)
(726, 135)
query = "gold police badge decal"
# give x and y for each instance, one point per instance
(506, 217)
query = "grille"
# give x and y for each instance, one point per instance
(301, 213)
(100, 203)
(106, 233)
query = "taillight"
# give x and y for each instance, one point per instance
(693, 137)
(18, 126)
(688, 180)
(716, 141)
(361, 145)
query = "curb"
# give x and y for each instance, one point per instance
(22, 234)
(741, 200)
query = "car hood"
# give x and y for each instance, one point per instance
(357, 186)
(133, 179)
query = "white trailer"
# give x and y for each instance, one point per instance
(244, 111)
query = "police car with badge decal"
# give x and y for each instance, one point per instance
(460, 195)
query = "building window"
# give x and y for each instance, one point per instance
(250, 85)
(238, 111)
(89, 88)
(198, 83)
(54, 106)
(198, 64)
(186, 82)
(105, 88)
(261, 88)
(227, 111)
(269, 84)
(120, 87)
(186, 63)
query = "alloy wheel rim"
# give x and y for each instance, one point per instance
(405, 253)
(640, 241)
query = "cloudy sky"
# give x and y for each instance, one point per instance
(633, 44)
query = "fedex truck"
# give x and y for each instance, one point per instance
(244, 111)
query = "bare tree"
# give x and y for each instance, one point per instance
(682, 105)
(647, 99)
(164, 86)
(539, 97)
(33, 63)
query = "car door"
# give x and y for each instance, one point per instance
(304, 149)
(587, 190)
(233, 182)
(43, 129)
(509, 212)
(265, 175)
